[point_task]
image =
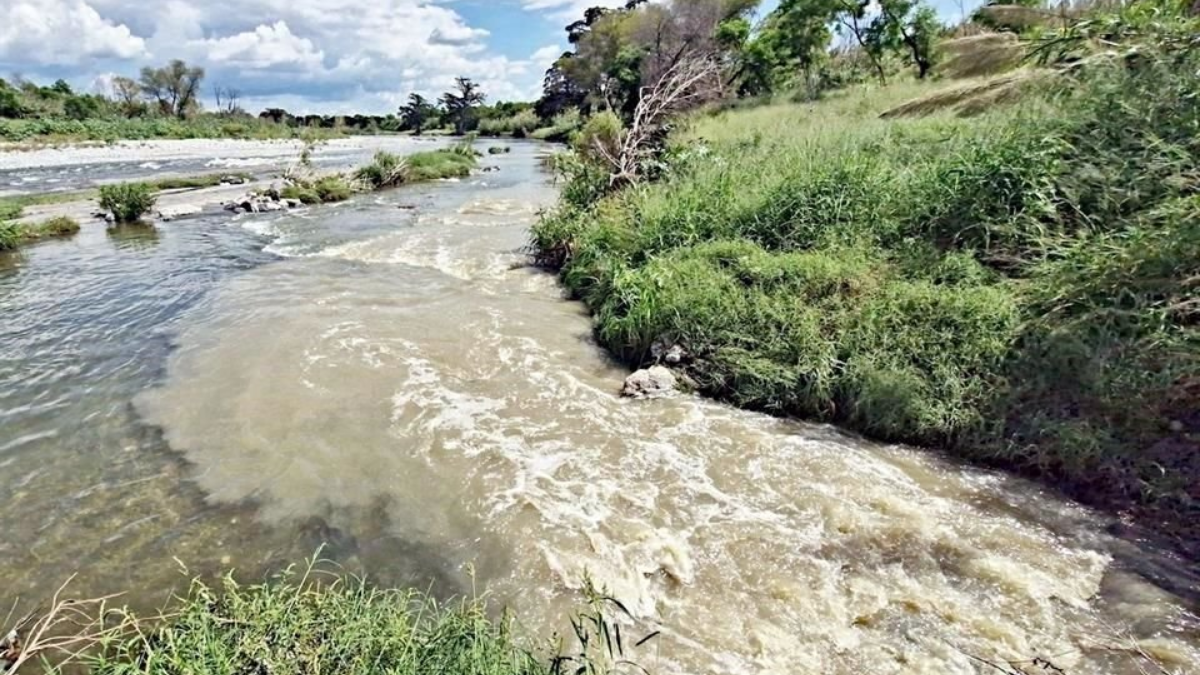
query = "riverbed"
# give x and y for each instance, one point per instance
(387, 379)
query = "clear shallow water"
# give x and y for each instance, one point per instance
(389, 381)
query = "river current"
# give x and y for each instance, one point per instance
(386, 378)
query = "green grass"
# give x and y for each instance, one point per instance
(14, 235)
(440, 164)
(1018, 287)
(196, 182)
(339, 627)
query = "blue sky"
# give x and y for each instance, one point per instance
(322, 56)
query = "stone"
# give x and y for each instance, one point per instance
(667, 352)
(168, 213)
(234, 180)
(270, 205)
(653, 382)
(1176, 426)
(293, 203)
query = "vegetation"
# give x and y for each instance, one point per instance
(127, 202)
(1019, 287)
(314, 622)
(197, 182)
(13, 234)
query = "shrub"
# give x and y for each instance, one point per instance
(385, 170)
(333, 189)
(561, 127)
(128, 202)
(303, 193)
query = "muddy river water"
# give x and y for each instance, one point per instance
(386, 378)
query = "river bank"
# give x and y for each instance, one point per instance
(1017, 287)
(387, 377)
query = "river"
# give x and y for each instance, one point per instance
(385, 377)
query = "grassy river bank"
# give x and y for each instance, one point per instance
(1018, 287)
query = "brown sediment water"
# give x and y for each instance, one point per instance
(393, 383)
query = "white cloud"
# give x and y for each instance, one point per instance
(62, 32)
(264, 47)
(306, 55)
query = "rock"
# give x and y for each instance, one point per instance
(490, 169)
(293, 203)
(407, 207)
(270, 205)
(179, 211)
(667, 352)
(653, 382)
(110, 218)
(234, 180)
(1176, 426)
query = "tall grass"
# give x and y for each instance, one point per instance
(1020, 287)
(313, 626)
(14, 235)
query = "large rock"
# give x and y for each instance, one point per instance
(653, 382)
(179, 211)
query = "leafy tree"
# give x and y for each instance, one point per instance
(906, 26)
(851, 17)
(10, 102)
(174, 87)
(559, 91)
(81, 107)
(460, 104)
(61, 87)
(417, 113)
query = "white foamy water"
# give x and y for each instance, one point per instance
(402, 381)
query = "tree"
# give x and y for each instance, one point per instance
(174, 87)
(460, 104)
(128, 94)
(61, 87)
(559, 91)
(81, 107)
(851, 17)
(227, 100)
(907, 26)
(10, 102)
(417, 113)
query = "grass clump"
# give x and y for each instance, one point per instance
(441, 164)
(385, 170)
(127, 202)
(198, 182)
(341, 627)
(14, 235)
(1019, 287)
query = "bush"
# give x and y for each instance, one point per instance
(128, 202)
(385, 170)
(333, 189)
(561, 127)
(303, 193)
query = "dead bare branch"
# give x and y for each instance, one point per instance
(682, 86)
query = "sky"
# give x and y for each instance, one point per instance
(307, 56)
